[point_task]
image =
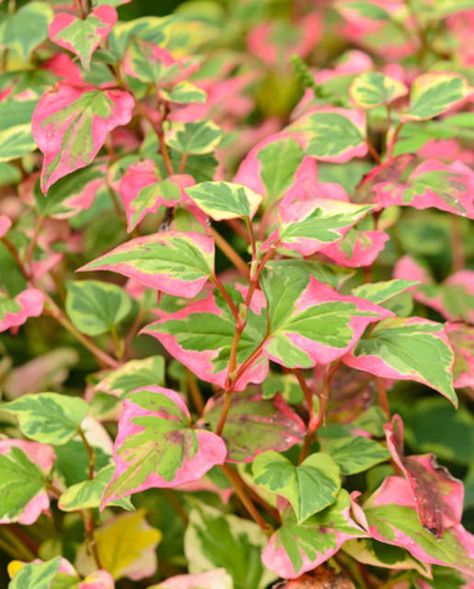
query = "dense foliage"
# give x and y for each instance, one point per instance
(236, 307)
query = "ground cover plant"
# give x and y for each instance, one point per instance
(236, 295)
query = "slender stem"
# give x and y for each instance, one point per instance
(244, 497)
(12, 249)
(90, 452)
(225, 412)
(382, 396)
(457, 245)
(318, 419)
(182, 163)
(394, 139)
(230, 253)
(195, 393)
(253, 245)
(89, 527)
(164, 150)
(17, 547)
(308, 395)
(228, 300)
(119, 344)
(373, 152)
(170, 496)
(133, 331)
(34, 238)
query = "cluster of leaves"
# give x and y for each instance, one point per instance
(269, 204)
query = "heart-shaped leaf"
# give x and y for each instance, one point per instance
(157, 446)
(177, 263)
(294, 549)
(310, 487)
(83, 36)
(70, 125)
(310, 323)
(354, 454)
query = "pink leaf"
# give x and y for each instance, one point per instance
(83, 36)
(438, 496)
(143, 192)
(407, 349)
(43, 457)
(14, 312)
(294, 549)
(357, 249)
(70, 124)
(200, 337)
(392, 519)
(432, 184)
(97, 580)
(156, 445)
(5, 224)
(319, 326)
(461, 337)
(179, 264)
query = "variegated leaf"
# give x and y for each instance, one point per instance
(70, 125)
(177, 263)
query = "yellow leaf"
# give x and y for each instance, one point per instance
(126, 546)
(14, 567)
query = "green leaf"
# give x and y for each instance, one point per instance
(185, 93)
(279, 161)
(50, 418)
(310, 323)
(215, 540)
(225, 200)
(87, 494)
(333, 136)
(194, 138)
(27, 28)
(36, 575)
(310, 487)
(132, 375)
(372, 89)
(380, 292)
(434, 93)
(375, 553)
(355, 454)
(16, 139)
(83, 36)
(408, 349)
(157, 445)
(296, 548)
(70, 194)
(20, 482)
(96, 307)
(177, 263)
